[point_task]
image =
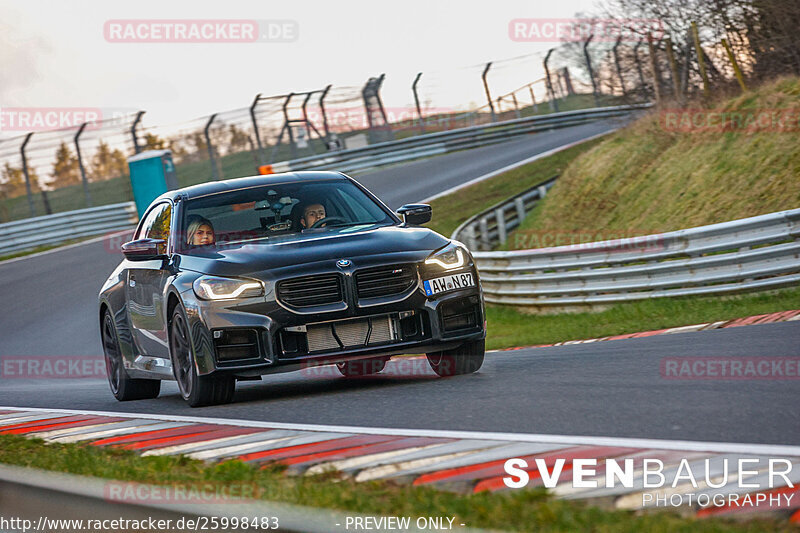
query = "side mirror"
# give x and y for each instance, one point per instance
(145, 249)
(416, 214)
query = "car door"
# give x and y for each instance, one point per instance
(145, 288)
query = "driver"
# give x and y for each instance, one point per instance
(311, 214)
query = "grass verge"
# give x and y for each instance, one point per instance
(648, 178)
(451, 210)
(508, 327)
(519, 510)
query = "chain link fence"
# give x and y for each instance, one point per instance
(45, 171)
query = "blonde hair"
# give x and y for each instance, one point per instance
(193, 223)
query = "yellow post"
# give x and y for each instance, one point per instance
(735, 65)
(673, 67)
(700, 60)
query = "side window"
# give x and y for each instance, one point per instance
(156, 223)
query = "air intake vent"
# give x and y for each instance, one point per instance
(385, 280)
(311, 291)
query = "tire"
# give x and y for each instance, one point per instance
(122, 386)
(197, 390)
(464, 359)
(362, 367)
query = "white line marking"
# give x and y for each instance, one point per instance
(662, 444)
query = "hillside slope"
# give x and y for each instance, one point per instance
(646, 178)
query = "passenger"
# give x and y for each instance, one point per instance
(199, 231)
(311, 214)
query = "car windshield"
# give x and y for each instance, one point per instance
(278, 211)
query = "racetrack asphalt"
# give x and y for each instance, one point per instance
(610, 389)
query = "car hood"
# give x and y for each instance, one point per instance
(354, 243)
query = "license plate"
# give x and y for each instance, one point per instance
(448, 283)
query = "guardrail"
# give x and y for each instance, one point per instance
(756, 253)
(23, 235)
(449, 141)
(491, 227)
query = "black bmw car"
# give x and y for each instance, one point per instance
(230, 280)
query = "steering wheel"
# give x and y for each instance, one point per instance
(326, 220)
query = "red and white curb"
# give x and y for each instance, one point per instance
(781, 316)
(462, 461)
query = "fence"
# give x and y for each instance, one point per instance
(83, 165)
(757, 253)
(34, 232)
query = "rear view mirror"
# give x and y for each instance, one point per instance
(416, 214)
(145, 249)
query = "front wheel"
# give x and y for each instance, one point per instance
(465, 359)
(122, 386)
(195, 389)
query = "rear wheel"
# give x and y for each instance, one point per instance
(122, 386)
(362, 367)
(197, 390)
(464, 359)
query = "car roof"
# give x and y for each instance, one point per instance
(213, 187)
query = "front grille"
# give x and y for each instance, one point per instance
(385, 280)
(350, 333)
(311, 291)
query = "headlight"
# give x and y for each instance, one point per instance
(450, 257)
(214, 288)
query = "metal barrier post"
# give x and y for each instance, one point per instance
(416, 102)
(533, 99)
(589, 67)
(516, 105)
(28, 188)
(501, 224)
(136, 147)
(322, 110)
(210, 148)
(84, 179)
(486, 88)
(261, 159)
(550, 91)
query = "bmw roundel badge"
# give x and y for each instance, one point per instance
(343, 263)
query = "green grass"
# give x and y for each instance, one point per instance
(518, 510)
(508, 327)
(451, 210)
(645, 179)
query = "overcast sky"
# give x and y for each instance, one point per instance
(54, 54)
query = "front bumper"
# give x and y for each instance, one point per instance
(265, 328)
